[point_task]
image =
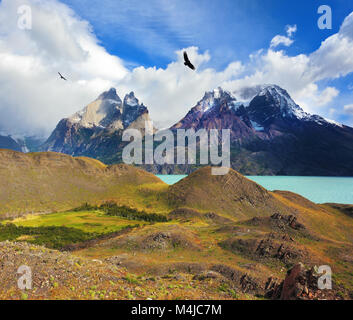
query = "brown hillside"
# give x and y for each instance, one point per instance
(51, 181)
(231, 194)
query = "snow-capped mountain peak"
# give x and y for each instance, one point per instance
(215, 97)
(131, 100)
(283, 101)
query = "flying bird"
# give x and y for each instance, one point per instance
(61, 76)
(187, 61)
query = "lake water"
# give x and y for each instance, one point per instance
(316, 189)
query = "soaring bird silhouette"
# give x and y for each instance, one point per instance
(187, 61)
(61, 76)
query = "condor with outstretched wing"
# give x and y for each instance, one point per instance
(61, 76)
(187, 61)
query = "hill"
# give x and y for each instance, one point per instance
(50, 182)
(206, 237)
(233, 195)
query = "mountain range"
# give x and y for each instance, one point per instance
(270, 133)
(97, 129)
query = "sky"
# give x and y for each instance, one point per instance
(137, 46)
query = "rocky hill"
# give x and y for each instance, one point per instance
(131, 236)
(232, 194)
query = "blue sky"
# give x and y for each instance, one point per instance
(137, 45)
(149, 32)
(229, 29)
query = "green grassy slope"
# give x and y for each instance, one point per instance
(223, 224)
(232, 195)
(55, 182)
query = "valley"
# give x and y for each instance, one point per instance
(124, 234)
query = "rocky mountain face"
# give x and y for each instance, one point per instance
(218, 110)
(21, 142)
(96, 130)
(271, 134)
(6, 142)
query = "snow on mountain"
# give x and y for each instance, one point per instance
(216, 97)
(283, 101)
(256, 126)
(280, 99)
(108, 111)
(272, 133)
(335, 123)
(131, 100)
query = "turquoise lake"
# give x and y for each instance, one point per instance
(316, 189)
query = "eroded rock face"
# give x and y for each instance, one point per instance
(299, 284)
(96, 130)
(268, 248)
(294, 284)
(290, 221)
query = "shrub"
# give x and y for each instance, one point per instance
(112, 209)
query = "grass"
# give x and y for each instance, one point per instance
(59, 230)
(51, 237)
(147, 203)
(87, 221)
(49, 182)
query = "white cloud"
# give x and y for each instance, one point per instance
(170, 92)
(289, 72)
(301, 74)
(32, 96)
(348, 109)
(334, 57)
(283, 40)
(291, 30)
(277, 40)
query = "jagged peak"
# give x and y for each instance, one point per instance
(214, 97)
(274, 89)
(282, 100)
(131, 100)
(219, 93)
(111, 94)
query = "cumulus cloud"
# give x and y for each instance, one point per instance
(33, 98)
(348, 109)
(284, 40)
(291, 30)
(301, 74)
(277, 40)
(334, 57)
(170, 92)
